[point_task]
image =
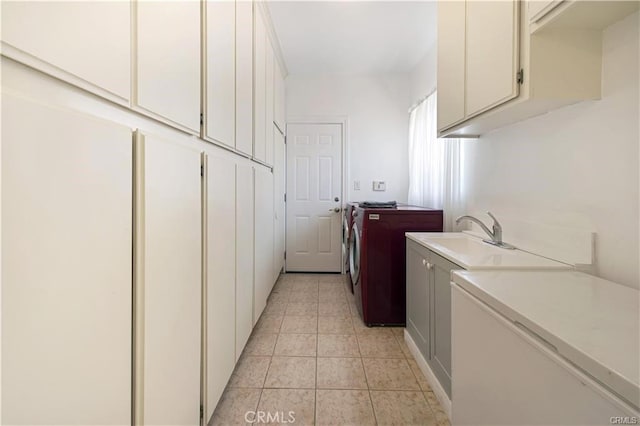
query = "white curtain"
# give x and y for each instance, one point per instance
(435, 165)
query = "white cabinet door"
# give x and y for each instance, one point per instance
(168, 282)
(66, 267)
(259, 87)
(220, 112)
(220, 175)
(279, 204)
(168, 60)
(89, 41)
(269, 103)
(244, 255)
(263, 181)
(244, 76)
(492, 53)
(451, 62)
(279, 95)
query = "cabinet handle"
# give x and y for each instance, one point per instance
(429, 266)
(424, 262)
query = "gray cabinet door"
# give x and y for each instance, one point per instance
(418, 297)
(440, 351)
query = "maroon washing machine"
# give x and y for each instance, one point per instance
(378, 257)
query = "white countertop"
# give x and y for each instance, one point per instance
(471, 253)
(593, 323)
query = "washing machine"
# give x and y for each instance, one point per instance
(377, 258)
(347, 224)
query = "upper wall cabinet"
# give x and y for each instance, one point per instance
(260, 90)
(219, 71)
(517, 59)
(87, 44)
(168, 61)
(244, 76)
(279, 97)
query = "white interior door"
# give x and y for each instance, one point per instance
(314, 197)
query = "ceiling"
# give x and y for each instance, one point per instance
(353, 37)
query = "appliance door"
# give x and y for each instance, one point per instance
(354, 254)
(345, 242)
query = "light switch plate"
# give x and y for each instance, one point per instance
(356, 185)
(379, 185)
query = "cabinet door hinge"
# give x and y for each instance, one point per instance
(285, 255)
(201, 412)
(201, 170)
(520, 76)
(285, 198)
(201, 119)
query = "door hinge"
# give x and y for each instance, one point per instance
(520, 76)
(285, 255)
(201, 412)
(201, 170)
(201, 119)
(285, 198)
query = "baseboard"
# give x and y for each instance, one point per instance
(437, 388)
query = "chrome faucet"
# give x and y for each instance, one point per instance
(496, 235)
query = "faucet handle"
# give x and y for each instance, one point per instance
(495, 221)
(497, 228)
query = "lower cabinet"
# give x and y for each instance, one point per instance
(168, 282)
(66, 267)
(263, 269)
(244, 255)
(429, 308)
(220, 178)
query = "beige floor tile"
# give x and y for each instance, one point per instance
(233, 406)
(379, 346)
(361, 327)
(398, 332)
(441, 416)
(296, 345)
(340, 373)
(300, 324)
(303, 296)
(250, 372)
(332, 278)
(261, 344)
(403, 345)
(301, 278)
(292, 373)
(333, 309)
(400, 408)
(338, 345)
(422, 381)
(344, 407)
(332, 296)
(389, 374)
(278, 297)
(268, 324)
(275, 308)
(293, 406)
(283, 285)
(302, 308)
(335, 325)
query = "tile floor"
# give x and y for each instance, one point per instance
(311, 354)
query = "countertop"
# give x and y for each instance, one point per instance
(593, 323)
(484, 256)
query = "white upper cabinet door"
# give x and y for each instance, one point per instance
(259, 87)
(85, 43)
(492, 53)
(269, 103)
(263, 184)
(168, 61)
(244, 76)
(66, 267)
(279, 96)
(221, 276)
(451, 52)
(220, 112)
(244, 255)
(168, 282)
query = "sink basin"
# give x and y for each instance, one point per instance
(471, 252)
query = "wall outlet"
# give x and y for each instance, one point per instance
(379, 185)
(356, 185)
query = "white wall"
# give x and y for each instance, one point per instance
(423, 76)
(577, 166)
(376, 107)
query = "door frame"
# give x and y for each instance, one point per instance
(343, 121)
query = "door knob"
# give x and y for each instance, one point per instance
(336, 199)
(337, 210)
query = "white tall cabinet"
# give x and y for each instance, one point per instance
(279, 187)
(263, 184)
(167, 66)
(85, 50)
(66, 267)
(244, 254)
(220, 174)
(168, 282)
